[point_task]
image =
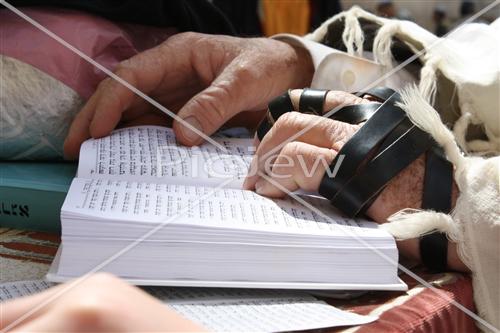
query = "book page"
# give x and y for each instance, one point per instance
(205, 206)
(233, 310)
(151, 153)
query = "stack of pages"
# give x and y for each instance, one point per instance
(155, 213)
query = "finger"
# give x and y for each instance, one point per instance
(334, 100)
(79, 129)
(45, 323)
(143, 71)
(338, 99)
(211, 108)
(165, 67)
(103, 111)
(295, 126)
(15, 309)
(298, 166)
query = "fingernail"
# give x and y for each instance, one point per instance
(187, 132)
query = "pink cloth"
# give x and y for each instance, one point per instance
(106, 42)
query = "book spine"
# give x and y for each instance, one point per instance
(31, 209)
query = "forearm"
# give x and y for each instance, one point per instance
(405, 191)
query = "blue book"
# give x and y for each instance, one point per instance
(32, 193)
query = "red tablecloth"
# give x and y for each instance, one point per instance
(420, 309)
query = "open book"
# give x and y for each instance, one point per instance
(156, 213)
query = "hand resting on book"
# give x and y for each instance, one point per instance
(213, 87)
(206, 80)
(300, 164)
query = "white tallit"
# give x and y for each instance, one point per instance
(467, 63)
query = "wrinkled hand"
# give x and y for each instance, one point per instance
(206, 79)
(292, 162)
(299, 162)
(102, 303)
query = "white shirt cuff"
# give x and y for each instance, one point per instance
(317, 51)
(337, 70)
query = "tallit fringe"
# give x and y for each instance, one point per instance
(417, 103)
(477, 147)
(428, 79)
(353, 36)
(460, 130)
(423, 115)
(383, 42)
(412, 223)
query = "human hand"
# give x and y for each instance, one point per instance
(101, 303)
(289, 165)
(299, 147)
(301, 163)
(206, 79)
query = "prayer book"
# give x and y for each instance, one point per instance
(156, 213)
(32, 194)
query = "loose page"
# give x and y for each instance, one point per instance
(233, 310)
(151, 153)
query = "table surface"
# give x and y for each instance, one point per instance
(26, 255)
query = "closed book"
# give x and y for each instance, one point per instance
(31, 194)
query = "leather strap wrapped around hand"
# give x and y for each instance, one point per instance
(381, 149)
(312, 101)
(384, 146)
(276, 108)
(359, 191)
(360, 146)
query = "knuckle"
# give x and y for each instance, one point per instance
(104, 83)
(189, 39)
(211, 106)
(185, 36)
(88, 311)
(124, 64)
(289, 120)
(338, 97)
(245, 72)
(292, 149)
(339, 133)
(125, 71)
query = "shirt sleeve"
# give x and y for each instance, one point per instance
(337, 70)
(317, 51)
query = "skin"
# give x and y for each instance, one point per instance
(229, 83)
(207, 89)
(101, 303)
(323, 139)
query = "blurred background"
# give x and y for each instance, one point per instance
(269, 17)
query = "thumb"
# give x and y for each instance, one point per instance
(208, 110)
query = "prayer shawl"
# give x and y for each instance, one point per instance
(458, 85)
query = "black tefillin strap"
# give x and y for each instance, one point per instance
(385, 145)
